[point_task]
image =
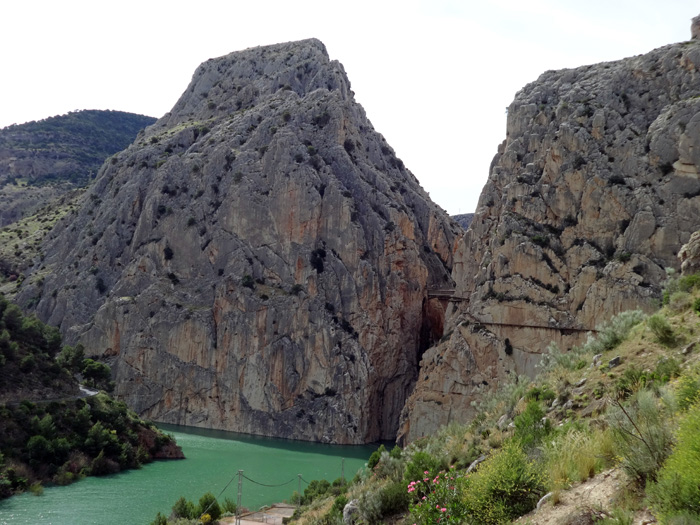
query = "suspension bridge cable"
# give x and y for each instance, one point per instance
(220, 493)
(265, 485)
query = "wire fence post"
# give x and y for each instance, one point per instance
(240, 495)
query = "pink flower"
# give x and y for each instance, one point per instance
(443, 509)
(425, 472)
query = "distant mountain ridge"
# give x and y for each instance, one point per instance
(42, 160)
(464, 219)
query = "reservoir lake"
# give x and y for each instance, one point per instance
(213, 460)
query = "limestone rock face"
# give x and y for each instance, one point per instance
(258, 261)
(690, 255)
(589, 199)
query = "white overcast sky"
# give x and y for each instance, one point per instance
(434, 76)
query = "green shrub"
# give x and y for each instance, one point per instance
(248, 282)
(209, 505)
(662, 330)
(615, 331)
(420, 466)
(375, 457)
(102, 465)
(394, 498)
(39, 450)
(677, 491)
(696, 305)
(96, 374)
(160, 520)
(531, 426)
(509, 394)
(631, 380)
(339, 504)
(315, 489)
(684, 284)
(229, 506)
(610, 335)
(507, 485)
(679, 301)
(543, 393)
(72, 358)
(642, 434)
(389, 467)
(689, 283)
(667, 368)
(27, 363)
(540, 240)
(184, 509)
(688, 390)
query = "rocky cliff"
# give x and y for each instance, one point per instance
(589, 199)
(258, 261)
(43, 160)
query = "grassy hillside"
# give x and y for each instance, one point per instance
(627, 400)
(66, 148)
(42, 161)
(50, 431)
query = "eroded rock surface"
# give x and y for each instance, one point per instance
(258, 261)
(690, 255)
(589, 199)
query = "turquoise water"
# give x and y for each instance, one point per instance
(213, 460)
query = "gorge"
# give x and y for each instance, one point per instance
(259, 259)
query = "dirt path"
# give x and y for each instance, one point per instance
(272, 516)
(584, 503)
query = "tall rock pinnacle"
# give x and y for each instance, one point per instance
(258, 260)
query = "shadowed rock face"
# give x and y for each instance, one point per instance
(589, 199)
(258, 261)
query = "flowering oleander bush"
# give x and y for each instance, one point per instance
(437, 499)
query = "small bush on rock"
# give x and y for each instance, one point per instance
(642, 434)
(662, 330)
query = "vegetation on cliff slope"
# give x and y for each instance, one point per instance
(20, 242)
(77, 144)
(628, 399)
(49, 430)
